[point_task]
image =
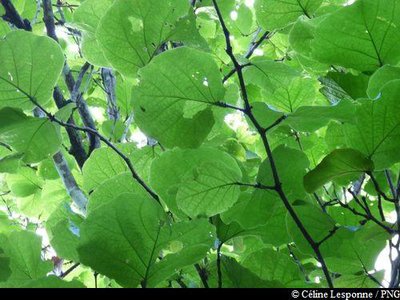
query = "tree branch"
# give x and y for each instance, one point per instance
(203, 275)
(126, 159)
(377, 187)
(69, 182)
(63, 170)
(77, 150)
(109, 83)
(262, 133)
(83, 109)
(73, 267)
(219, 271)
(253, 46)
(12, 16)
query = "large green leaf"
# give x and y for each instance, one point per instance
(30, 67)
(36, 138)
(87, 17)
(376, 130)
(311, 118)
(351, 249)
(340, 165)
(317, 223)
(169, 171)
(131, 31)
(272, 265)
(23, 248)
(276, 14)
(362, 36)
(176, 90)
(104, 163)
(113, 187)
(63, 230)
(208, 189)
(129, 240)
(381, 77)
(236, 276)
(290, 174)
(282, 87)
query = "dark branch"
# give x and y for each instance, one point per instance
(12, 16)
(219, 271)
(48, 18)
(262, 133)
(73, 267)
(377, 187)
(331, 233)
(203, 275)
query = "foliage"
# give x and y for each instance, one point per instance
(208, 143)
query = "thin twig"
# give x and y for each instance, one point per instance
(219, 271)
(73, 267)
(377, 187)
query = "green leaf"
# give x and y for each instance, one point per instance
(31, 66)
(283, 88)
(24, 250)
(62, 227)
(87, 16)
(173, 101)
(7, 225)
(53, 282)
(132, 31)
(124, 238)
(168, 172)
(265, 115)
(208, 189)
(5, 270)
(24, 183)
(103, 164)
(4, 28)
(272, 265)
(113, 187)
(65, 112)
(381, 77)
(45, 201)
(362, 36)
(349, 250)
(290, 174)
(10, 163)
(36, 138)
(317, 223)
(276, 14)
(235, 275)
(311, 118)
(341, 165)
(376, 130)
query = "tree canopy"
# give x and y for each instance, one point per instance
(199, 143)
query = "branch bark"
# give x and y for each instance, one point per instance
(63, 170)
(109, 83)
(77, 150)
(83, 109)
(12, 16)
